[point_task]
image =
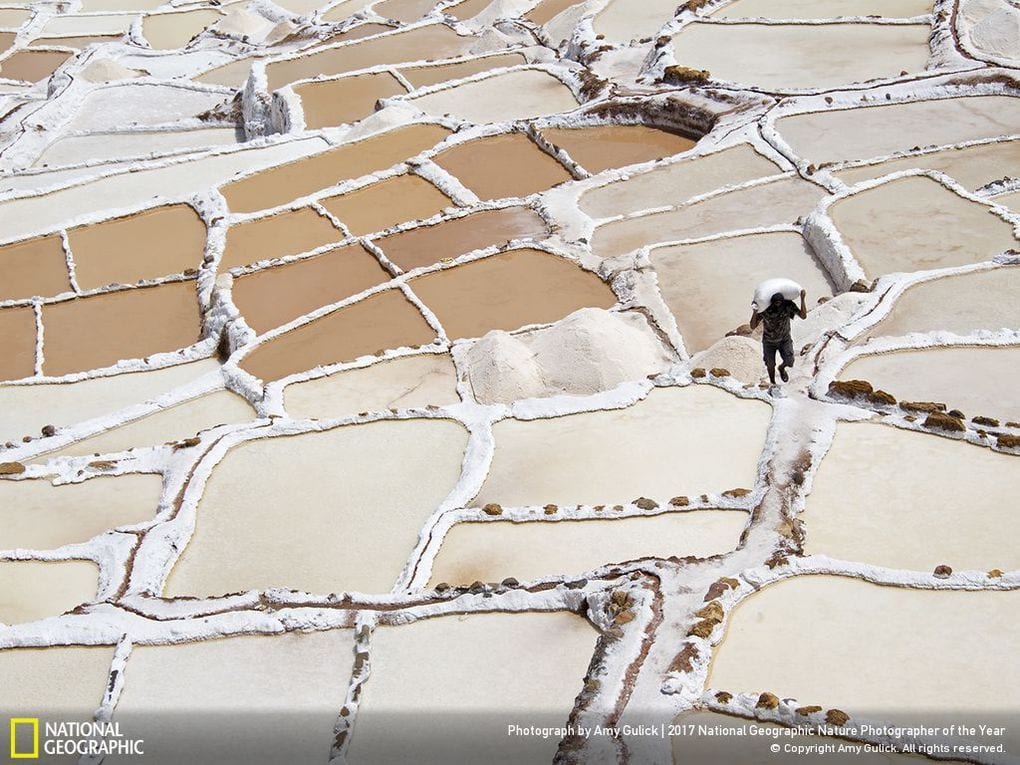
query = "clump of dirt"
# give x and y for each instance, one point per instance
(777, 560)
(684, 661)
(684, 75)
(718, 587)
(723, 697)
(943, 571)
(719, 372)
(49, 430)
(995, 573)
(836, 717)
(801, 467)
(624, 617)
(644, 503)
(187, 443)
(695, 5)
(1006, 441)
(860, 286)
(767, 701)
(102, 465)
(922, 406)
(713, 610)
(493, 509)
(736, 493)
(680, 501)
(697, 373)
(860, 390)
(550, 509)
(11, 468)
(808, 710)
(990, 422)
(943, 421)
(703, 628)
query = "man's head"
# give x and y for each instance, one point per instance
(777, 299)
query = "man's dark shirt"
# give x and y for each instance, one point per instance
(776, 322)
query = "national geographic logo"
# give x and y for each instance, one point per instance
(69, 738)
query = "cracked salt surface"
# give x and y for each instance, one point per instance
(382, 411)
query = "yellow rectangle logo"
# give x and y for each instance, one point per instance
(34, 754)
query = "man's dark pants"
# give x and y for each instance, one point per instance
(784, 348)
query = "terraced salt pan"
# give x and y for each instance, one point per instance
(31, 65)
(420, 76)
(280, 294)
(101, 6)
(971, 166)
(793, 57)
(36, 515)
(139, 105)
(338, 12)
(173, 423)
(12, 18)
(381, 205)
(98, 331)
(35, 267)
(348, 99)
(405, 11)
(547, 10)
(284, 711)
(490, 552)
(948, 304)
(431, 42)
(113, 23)
(413, 381)
(622, 21)
(290, 232)
(169, 31)
(822, 9)
(708, 286)
(31, 590)
(429, 244)
(509, 290)
(606, 146)
(748, 746)
(29, 215)
(677, 441)
(78, 43)
(114, 146)
(975, 380)
(878, 131)
(27, 408)
(536, 93)
(467, 9)
(915, 223)
(373, 484)
(368, 327)
(17, 327)
(475, 674)
(921, 509)
(108, 252)
(507, 165)
(892, 681)
(281, 184)
(64, 683)
(682, 180)
(769, 204)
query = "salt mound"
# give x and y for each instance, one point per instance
(590, 350)
(742, 356)
(107, 70)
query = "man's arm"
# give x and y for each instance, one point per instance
(755, 319)
(803, 305)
